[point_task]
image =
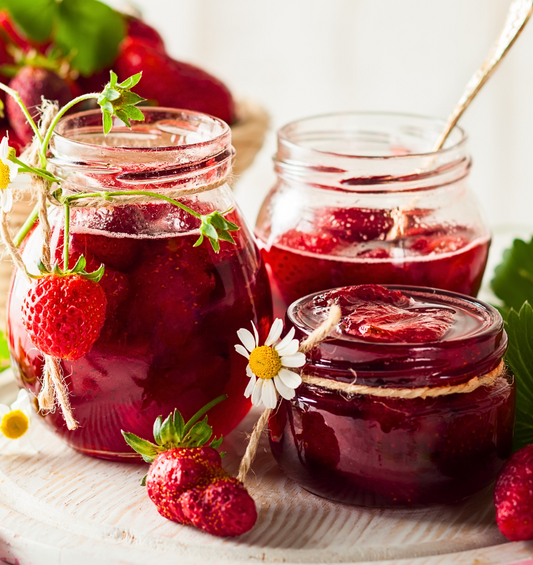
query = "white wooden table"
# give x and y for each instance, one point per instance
(62, 508)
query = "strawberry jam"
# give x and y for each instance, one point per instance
(391, 450)
(360, 200)
(173, 310)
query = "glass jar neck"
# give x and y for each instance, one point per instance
(171, 148)
(370, 152)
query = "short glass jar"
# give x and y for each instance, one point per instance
(359, 200)
(373, 445)
(173, 310)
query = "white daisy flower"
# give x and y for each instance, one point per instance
(17, 424)
(8, 172)
(268, 364)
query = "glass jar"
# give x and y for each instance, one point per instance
(375, 446)
(173, 310)
(359, 200)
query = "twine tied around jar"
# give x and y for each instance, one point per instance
(53, 387)
(320, 334)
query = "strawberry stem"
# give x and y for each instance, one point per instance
(108, 195)
(66, 236)
(26, 227)
(202, 412)
(45, 142)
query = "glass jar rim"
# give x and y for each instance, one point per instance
(409, 364)
(457, 131)
(93, 118)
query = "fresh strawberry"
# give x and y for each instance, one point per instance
(63, 313)
(186, 480)
(172, 83)
(142, 31)
(513, 496)
(32, 83)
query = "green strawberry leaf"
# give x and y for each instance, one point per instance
(199, 434)
(35, 17)
(179, 425)
(168, 432)
(157, 430)
(216, 443)
(148, 450)
(215, 227)
(513, 277)
(519, 357)
(143, 481)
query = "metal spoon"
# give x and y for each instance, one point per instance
(517, 17)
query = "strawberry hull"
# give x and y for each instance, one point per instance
(166, 344)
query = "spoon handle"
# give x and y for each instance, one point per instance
(517, 17)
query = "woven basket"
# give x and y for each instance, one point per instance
(248, 135)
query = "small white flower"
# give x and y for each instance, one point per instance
(268, 364)
(8, 172)
(17, 424)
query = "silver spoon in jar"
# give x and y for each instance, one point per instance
(517, 17)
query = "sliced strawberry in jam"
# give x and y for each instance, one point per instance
(322, 243)
(352, 225)
(388, 316)
(443, 244)
(375, 253)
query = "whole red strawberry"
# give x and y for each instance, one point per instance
(513, 496)
(186, 480)
(63, 313)
(32, 83)
(174, 84)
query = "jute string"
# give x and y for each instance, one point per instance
(318, 336)
(53, 388)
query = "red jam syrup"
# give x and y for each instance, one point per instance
(384, 451)
(361, 246)
(172, 316)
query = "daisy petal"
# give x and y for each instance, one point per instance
(275, 332)
(269, 396)
(7, 200)
(247, 339)
(290, 378)
(286, 339)
(289, 349)
(256, 335)
(256, 393)
(250, 387)
(240, 349)
(13, 170)
(283, 389)
(23, 401)
(249, 372)
(3, 410)
(296, 360)
(4, 148)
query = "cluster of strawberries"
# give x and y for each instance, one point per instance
(167, 82)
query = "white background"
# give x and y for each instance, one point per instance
(306, 57)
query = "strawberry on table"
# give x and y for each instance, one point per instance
(186, 480)
(513, 496)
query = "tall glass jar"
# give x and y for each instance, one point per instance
(359, 199)
(173, 310)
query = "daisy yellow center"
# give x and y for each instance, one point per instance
(265, 362)
(4, 175)
(14, 424)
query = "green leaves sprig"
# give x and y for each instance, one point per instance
(519, 357)
(87, 31)
(118, 100)
(215, 227)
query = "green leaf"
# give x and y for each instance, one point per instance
(226, 236)
(214, 244)
(199, 434)
(216, 443)
(208, 230)
(108, 122)
(133, 113)
(519, 357)
(157, 430)
(148, 450)
(35, 17)
(91, 31)
(4, 352)
(179, 425)
(513, 277)
(168, 432)
(131, 81)
(143, 481)
(199, 241)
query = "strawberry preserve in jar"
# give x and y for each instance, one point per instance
(406, 403)
(173, 309)
(360, 199)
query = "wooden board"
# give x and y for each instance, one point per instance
(60, 507)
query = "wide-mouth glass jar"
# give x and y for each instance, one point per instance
(423, 412)
(360, 199)
(173, 310)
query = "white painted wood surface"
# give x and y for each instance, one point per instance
(62, 508)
